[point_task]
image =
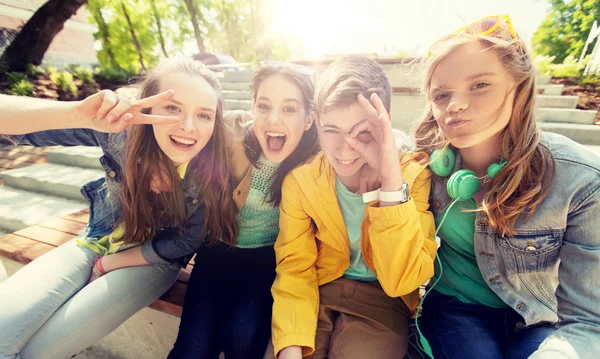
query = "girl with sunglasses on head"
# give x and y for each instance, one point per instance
(519, 261)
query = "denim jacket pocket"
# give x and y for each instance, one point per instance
(101, 212)
(531, 252)
(112, 168)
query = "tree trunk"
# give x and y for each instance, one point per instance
(159, 26)
(34, 39)
(104, 33)
(136, 43)
(194, 16)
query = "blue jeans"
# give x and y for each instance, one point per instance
(470, 331)
(48, 311)
(228, 304)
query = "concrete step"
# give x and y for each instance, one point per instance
(542, 80)
(551, 89)
(238, 105)
(20, 209)
(237, 95)
(563, 115)
(238, 76)
(85, 157)
(584, 134)
(552, 101)
(235, 86)
(51, 179)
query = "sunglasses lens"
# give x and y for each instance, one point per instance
(482, 26)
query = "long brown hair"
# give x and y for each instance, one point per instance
(143, 210)
(308, 145)
(527, 177)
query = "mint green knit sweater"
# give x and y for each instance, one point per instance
(259, 220)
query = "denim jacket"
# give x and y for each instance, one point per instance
(549, 272)
(167, 247)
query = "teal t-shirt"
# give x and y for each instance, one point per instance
(353, 212)
(259, 220)
(461, 277)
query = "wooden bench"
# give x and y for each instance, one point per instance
(29, 243)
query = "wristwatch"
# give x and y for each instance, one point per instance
(397, 196)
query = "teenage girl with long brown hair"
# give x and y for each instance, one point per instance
(228, 302)
(138, 236)
(516, 209)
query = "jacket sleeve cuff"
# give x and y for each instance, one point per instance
(392, 215)
(306, 341)
(150, 254)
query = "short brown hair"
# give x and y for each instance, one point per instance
(348, 77)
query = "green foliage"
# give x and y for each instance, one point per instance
(569, 67)
(51, 71)
(590, 81)
(566, 27)
(229, 26)
(113, 75)
(84, 74)
(33, 70)
(64, 81)
(21, 88)
(16, 77)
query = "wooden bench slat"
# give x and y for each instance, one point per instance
(82, 216)
(64, 225)
(172, 301)
(21, 249)
(45, 235)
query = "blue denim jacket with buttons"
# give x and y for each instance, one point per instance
(549, 272)
(104, 194)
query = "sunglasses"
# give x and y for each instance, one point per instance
(498, 26)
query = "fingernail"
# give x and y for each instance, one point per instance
(110, 118)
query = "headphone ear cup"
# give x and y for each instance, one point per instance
(494, 168)
(463, 185)
(442, 162)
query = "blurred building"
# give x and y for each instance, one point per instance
(74, 44)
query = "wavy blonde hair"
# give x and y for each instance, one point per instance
(526, 179)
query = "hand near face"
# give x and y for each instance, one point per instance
(375, 140)
(106, 111)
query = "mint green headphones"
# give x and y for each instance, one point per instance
(463, 184)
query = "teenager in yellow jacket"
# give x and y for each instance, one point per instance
(341, 263)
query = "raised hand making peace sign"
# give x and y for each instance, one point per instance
(106, 111)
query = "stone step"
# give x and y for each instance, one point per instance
(79, 156)
(20, 209)
(584, 134)
(52, 179)
(237, 95)
(238, 105)
(551, 89)
(238, 76)
(235, 86)
(563, 115)
(553, 101)
(542, 80)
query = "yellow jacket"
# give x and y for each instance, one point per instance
(313, 249)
